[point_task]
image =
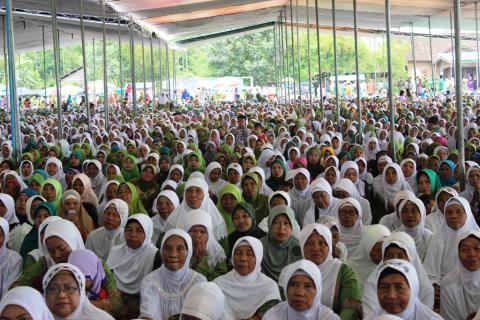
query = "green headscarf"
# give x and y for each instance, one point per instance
(227, 216)
(201, 168)
(135, 205)
(259, 201)
(58, 190)
(134, 173)
(435, 183)
(276, 254)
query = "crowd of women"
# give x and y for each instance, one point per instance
(245, 211)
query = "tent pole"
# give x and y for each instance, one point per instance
(390, 81)
(160, 67)
(412, 41)
(84, 61)
(298, 56)
(287, 75)
(478, 55)
(357, 68)
(132, 69)
(451, 41)
(105, 70)
(308, 58)
(458, 90)
(144, 71)
(120, 59)
(431, 55)
(44, 65)
(320, 82)
(335, 63)
(152, 70)
(293, 51)
(275, 51)
(168, 72)
(56, 55)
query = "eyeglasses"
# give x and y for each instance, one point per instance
(55, 289)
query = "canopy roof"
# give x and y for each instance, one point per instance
(182, 22)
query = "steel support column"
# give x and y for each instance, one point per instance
(320, 82)
(152, 70)
(390, 81)
(298, 57)
(459, 91)
(478, 49)
(275, 51)
(431, 55)
(132, 68)
(357, 67)
(84, 61)
(308, 58)
(335, 64)
(120, 59)
(160, 67)
(56, 55)
(174, 58)
(412, 41)
(169, 86)
(144, 71)
(287, 75)
(105, 69)
(44, 65)
(451, 42)
(293, 51)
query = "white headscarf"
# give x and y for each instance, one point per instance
(405, 242)
(359, 184)
(66, 231)
(469, 189)
(330, 266)
(205, 301)
(244, 295)
(317, 310)
(415, 309)
(351, 236)
(179, 217)
(391, 190)
(157, 220)
(460, 288)
(41, 251)
(131, 265)
(163, 291)
(85, 309)
(215, 251)
(419, 233)
(301, 199)
(25, 178)
(59, 175)
(435, 220)
(412, 180)
(321, 185)
(29, 299)
(10, 261)
(9, 204)
(99, 180)
(216, 186)
(348, 186)
(442, 255)
(101, 240)
(360, 260)
(264, 188)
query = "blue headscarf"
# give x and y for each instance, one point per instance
(451, 179)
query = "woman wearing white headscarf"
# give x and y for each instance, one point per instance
(9, 215)
(58, 175)
(178, 218)
(163, 291)
(345, 185)
(300, 193)
(104, 198)
(129, 264)
(406, 243)
(214, 186)
(435, 220)
(392, 220)
(160, 218)
(206, 301)
(98, 180)
(350, 218)
(26, 177)
(372, 148)
(414, 309)
(288, 309)
(264, 189)
(460, 288)
(323, 203)
(10, 261)
(41, 251)
(350, 170)
(248, 292)
(29, 299)
(57, 280)
(341, 291)
(469, 191)
(412, 179)
(392, 183)
(412, 216)
(369, 252)
(103, 239)
(441, 255)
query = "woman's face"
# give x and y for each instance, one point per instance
(199, 236)
(331, 176)
(176, 175)
(249, 188)
(351, 174)
(42, 214)
(49, 192)
(393, 293)
(469, 253)
(215, 174)
(244, 260)
(148, 174)
(13, 311)
(321, 199)
(395, 252)
(241, 220)
(58, 249)
(300, 181)
(233, 176)
(124, 193)
(134, 234)
(410, 215)
(445, 171)
(194, 197)
(455, 216)
(63, 294)
(228, 202)
(111, 172)
(433, 164)
(111, 192)
(391, 176)
(111, 218)
(442, 154)
(277, 170)
(100, 157)
(407, 169)
(423, 184)
(281, 228)
(78, 186)
(193, 162)
(442, 200)
(348, 216)
(247, 164)
(315, 248)
(174, 253)
(165, 207)
(313, 157)
(474, 178)
(128, 164)
(301, 292)
(52, 169)
(92, 170)
(376, 252)
(26, 169)
(71, 204)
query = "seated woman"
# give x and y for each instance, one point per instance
(460, 288)
(51, 190)
(82, 184)
(435, 220)
(340, 289)
(323, 204)
(339, 249)
(251, 194)
(392, 220)
(427, 182)
(163, 206)
(65, 294)
(24, 303)
(248, 292)
(60, 239)
(208, 257)
(277, 175)
(34, 255)
(393, 182)
(344, 188)
(7, 211)
(163, 290)
(398, 245)
(10, 261)
(350, 218)
(213, 174)
(230, 195)
(132, 261)
(301, 193)
(71, 209)
(103, 239)
(35, 218)
(412, 216)
(245, 223)
(280, 248)
(349, 170)
(101, 286)
(302, 284)
(397, 289)
(128, 193)
(108, 192)
(204, 300)
(147, 187)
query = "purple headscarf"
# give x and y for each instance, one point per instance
(91, 267)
